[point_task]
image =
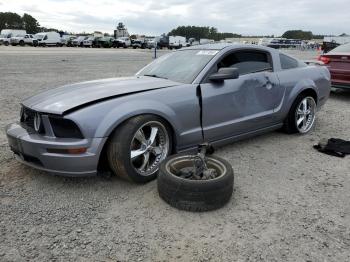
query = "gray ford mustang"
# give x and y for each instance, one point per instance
(211, 93)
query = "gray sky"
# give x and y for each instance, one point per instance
(248, 17)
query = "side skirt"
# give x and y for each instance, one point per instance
(229, 140)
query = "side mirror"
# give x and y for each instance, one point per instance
(225, 73)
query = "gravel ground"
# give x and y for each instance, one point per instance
(290, 203)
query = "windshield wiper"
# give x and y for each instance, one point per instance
(153, 75)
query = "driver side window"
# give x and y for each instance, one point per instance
(247, 61)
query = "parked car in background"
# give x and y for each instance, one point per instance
(331, 42)
(204, 41)
(338, 63)
(193, 41)
(95, 42)
(214, 93)
(105, 42)
(89, 41)
(176, 42)
(152, 42)
(49, 39)
(79, 41)
(122, 42)
(138, 43)
(6, 34)
(163, 42)
(27, 39)
(67, 39)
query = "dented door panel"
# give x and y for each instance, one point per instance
(240, 105)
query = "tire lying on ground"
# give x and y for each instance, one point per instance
(195, 195)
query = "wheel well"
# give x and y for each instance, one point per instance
(309, 92)
(103, 161)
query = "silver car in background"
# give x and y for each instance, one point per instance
(214, 93)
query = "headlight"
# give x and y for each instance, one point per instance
(38, 123)
(65, 128)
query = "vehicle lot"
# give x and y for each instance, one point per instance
(290, 203)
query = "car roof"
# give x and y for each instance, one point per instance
(221, 46)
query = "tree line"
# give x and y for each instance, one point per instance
(199, 32)
(9, 20)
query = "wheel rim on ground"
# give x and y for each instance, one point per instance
(185, 161)
(149, 147)
(305, 114)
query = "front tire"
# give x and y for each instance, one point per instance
(302, 115)
(138, 146)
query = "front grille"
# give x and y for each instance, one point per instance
(27, 117)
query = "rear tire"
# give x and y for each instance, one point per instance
(21, 43)
(142, 167)
(296, 113)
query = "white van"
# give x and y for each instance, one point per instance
(177, 42)
(49, 38)
(6, 34)
(204, 41)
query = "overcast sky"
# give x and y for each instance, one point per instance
(248, 17)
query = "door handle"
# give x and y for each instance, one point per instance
(268, 84)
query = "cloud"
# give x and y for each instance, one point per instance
(249, 17)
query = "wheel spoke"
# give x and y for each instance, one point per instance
(300, 112)
(301, 119)
(154, 132)
(145, 161)
(304, 121)
(136, 153)
(140, 136)
(304, 105)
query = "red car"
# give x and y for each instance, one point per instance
(338, 63)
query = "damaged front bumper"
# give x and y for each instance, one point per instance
(54, 155)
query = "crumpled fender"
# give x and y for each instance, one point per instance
(133, 108)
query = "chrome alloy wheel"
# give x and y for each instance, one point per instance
(305, 114)
(149, 147)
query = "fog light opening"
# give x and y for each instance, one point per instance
(70, 151)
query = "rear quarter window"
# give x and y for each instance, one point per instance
(288, 62)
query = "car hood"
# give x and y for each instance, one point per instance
(68, 97)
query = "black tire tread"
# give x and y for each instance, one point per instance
(196, 196)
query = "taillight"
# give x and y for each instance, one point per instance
(324, 59)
